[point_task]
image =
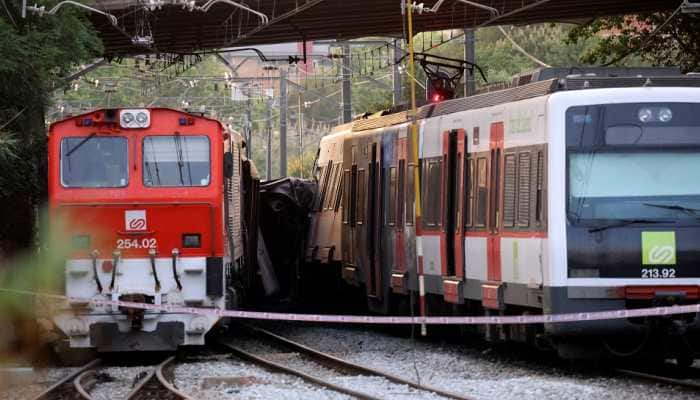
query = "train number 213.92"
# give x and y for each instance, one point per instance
(145, 243)
(658, 273)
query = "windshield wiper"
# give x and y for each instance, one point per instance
(82, 142)
(180, 161)
(625, 223)
(686, 210)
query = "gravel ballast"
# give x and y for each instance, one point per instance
(476, 373)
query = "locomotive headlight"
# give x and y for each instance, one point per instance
(127, 118)
(134, 118)
(665, 114)
(645, 114)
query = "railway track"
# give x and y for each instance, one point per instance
(157, 385)
(71, 387)
(325, 360)
(664, 378)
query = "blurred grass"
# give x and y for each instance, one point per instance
(40, 270)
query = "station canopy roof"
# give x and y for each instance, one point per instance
(181, 26)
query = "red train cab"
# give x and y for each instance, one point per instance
(140, 194)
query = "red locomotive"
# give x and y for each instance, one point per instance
(157, 204)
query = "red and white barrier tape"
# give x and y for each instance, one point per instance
(356, 319)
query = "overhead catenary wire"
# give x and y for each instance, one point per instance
(521, 50)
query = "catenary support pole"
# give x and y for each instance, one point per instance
(300, 125)
(346, 84)
(408, 8)
(396, 74)
(470, 56)
(248, 126)
(268, 172)
(283, 122)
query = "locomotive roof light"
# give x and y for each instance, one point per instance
(134, 118)
(645, 115)
(655, 114)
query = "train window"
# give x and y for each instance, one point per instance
(410, 196)
(319, 191)
(94, 162)
(338, 189)
(391, 208)
(509, 192)
(539, 206)
(176, 160)
(469, 190)
(481, 193)
(524, 188)
(334, 179)
(401, 194)
(360, 210)
(431, 198)
(324, 185)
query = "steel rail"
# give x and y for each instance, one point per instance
(271, 365)
(660, 378)
(67, 388)
(350, 365)
(156, 386)
(84, 388)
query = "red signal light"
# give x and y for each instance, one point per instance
(437, 98)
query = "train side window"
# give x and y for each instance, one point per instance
(539, 194)
(391, 207)
(338, 189)
(334, 179)
(524, 189)
(410, 196)
(319, 192)
(401, 193)
(509, 190)
(431, 198)
(469, 193)
(481, 193)
(360, 203)
(328, 187)
(346, 196)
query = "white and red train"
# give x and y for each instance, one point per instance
(159, 207)
(557, 196)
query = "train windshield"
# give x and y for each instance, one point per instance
(634, 162)
(176, 161)
(94, 162)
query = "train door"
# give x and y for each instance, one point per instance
(492, 296)
(398, 273)
(350, 218)
(374, 219)
(451, 238)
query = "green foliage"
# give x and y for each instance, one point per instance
(36, 53)
(302, 166)
(627, 40)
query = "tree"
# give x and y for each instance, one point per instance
(666, 38)
(36, 53)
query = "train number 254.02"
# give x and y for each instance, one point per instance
(145, 243)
